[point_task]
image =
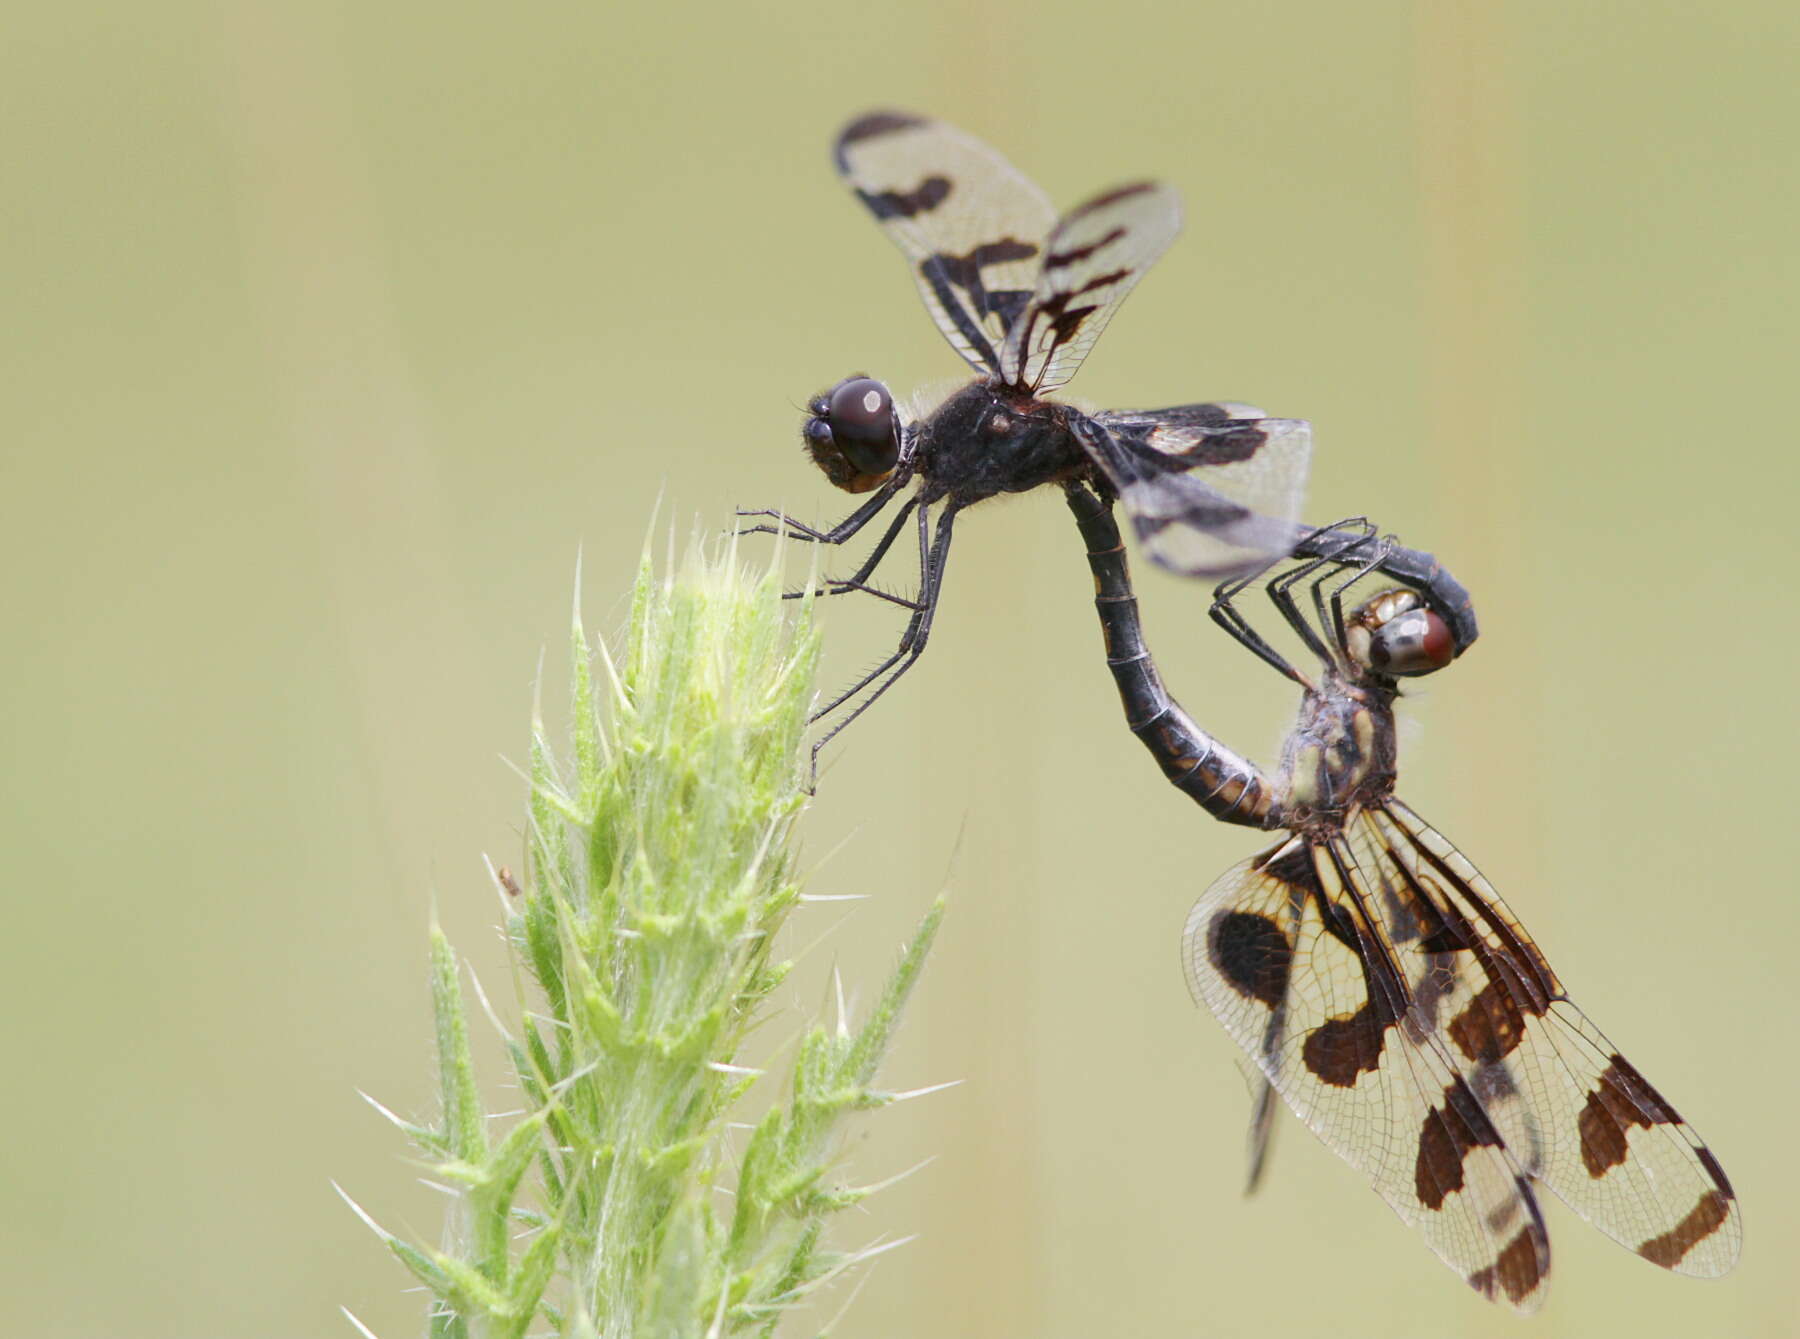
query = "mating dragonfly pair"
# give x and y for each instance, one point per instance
(1372, 977)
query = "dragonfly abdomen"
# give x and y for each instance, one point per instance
(1228, 787)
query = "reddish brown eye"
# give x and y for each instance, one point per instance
(861, 413)
(1414, 642)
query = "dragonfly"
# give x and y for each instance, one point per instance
(1373, 978)
(1212, 489)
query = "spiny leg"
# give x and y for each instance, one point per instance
(1335, 618)
(1425, 574)
(1345, 538)
(858, 580)
(841, 533)
(926, 547)
(934, 551)
(861, 576)
(843, 530)
(1357, 558)
(1327, 543)
(1225, 613)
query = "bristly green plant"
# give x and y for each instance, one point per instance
(662, 868)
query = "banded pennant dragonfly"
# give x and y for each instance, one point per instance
(1212, 489)
(1373, 977)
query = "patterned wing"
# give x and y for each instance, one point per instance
(1213, 490)
(1095, 257)
(1284, 951)
(1575, 1113)
(972, 226)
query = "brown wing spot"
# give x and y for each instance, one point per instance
(1621, 1099)
(1252, 954)
(1447, 938)
(871, 126)
(1519, 1271)
(1449, 1133)
(1407, 920)
(1292, 864)
(1100, 281)
(1064, 319)
(1344, 1048)
(1537, 984)
(1111, 197)
(922, 199)
(1704, 1219)
(1227, 447)
(1708, 1161)
(964, 272)
(1058, 259)
(1437, 934)
(1491, 1026)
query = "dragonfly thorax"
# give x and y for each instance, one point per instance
(1341, 754)
(988, 439)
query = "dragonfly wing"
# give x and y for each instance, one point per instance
(1578, 1115)
(1099, 251)
(1286, 935)
(971, 226)
(1212, 490)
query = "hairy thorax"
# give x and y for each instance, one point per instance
(1341, 755)
(988, 439)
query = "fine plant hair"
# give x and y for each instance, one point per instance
(643, 941)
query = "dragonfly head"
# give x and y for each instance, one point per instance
(853, 434)
(1394, 634)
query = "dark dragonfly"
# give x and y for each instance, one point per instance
(1212, 489)
(1374, 979)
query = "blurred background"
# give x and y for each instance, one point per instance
(336, 331)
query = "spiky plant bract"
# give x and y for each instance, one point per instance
(662, 868)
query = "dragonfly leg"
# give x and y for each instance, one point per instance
(1333, 547)
(858, 580)
(934, 552)
(1335, 618)
(841, 533)
(1425, 574)
(780, 523)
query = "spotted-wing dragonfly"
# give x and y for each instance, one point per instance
(1211, 489)
(1372, 976)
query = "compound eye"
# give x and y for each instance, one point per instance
(862, 423)
(1416, 641)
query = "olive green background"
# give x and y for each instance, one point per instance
(334, 332)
